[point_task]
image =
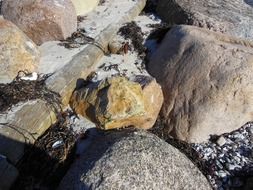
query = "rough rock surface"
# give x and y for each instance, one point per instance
(83, 7)
(17, 51)
(118, 102)
(133, 160)
(42, 20)
(206, 80)
(232, 17)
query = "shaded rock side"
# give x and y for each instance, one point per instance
(83, 7)
(230, 17)
(117, 102)
(206, 79)
(42, 20)
(130, 159)
(17, 52)
(8, 173)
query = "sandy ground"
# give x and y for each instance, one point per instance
(55, 57)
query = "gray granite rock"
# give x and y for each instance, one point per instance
(231, 17)
(132, 159)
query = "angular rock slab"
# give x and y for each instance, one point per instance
(226, 16)
(133, 160)
(42, 20)
(17, 51)
(118, 102)
(84, 6)
(206, 79)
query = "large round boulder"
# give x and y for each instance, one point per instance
(135, 160)
(226, 16)
(17, 52)
(42, 20)
(206, 79)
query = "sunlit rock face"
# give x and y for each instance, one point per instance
(17, 52)
(42, 20)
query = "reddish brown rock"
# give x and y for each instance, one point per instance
(17, 51)
(42, 20)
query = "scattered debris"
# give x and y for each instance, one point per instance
(77, 39)
(57, 144)
(110, 67)
(229, 160)
(20, 90)
(133, 32)
(81, 18)
(226, 160)
(47, 161)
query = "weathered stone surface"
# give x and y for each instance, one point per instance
(133, 160)
(24, 124)
(8, 173)
(117, 102)
(83, 7)
(206, 80)
(17, 51)
(33, 119)
(42, 20)
(231, 17)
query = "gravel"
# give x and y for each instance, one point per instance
(228, 158)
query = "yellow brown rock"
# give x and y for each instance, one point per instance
(42, 20)
(17, 51)
(118, 102)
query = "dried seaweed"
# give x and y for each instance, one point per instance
(23, 90)
(78, 39)
(134, 33)
(43, 165)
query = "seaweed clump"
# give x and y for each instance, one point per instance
(20, 90)
(134, 33)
